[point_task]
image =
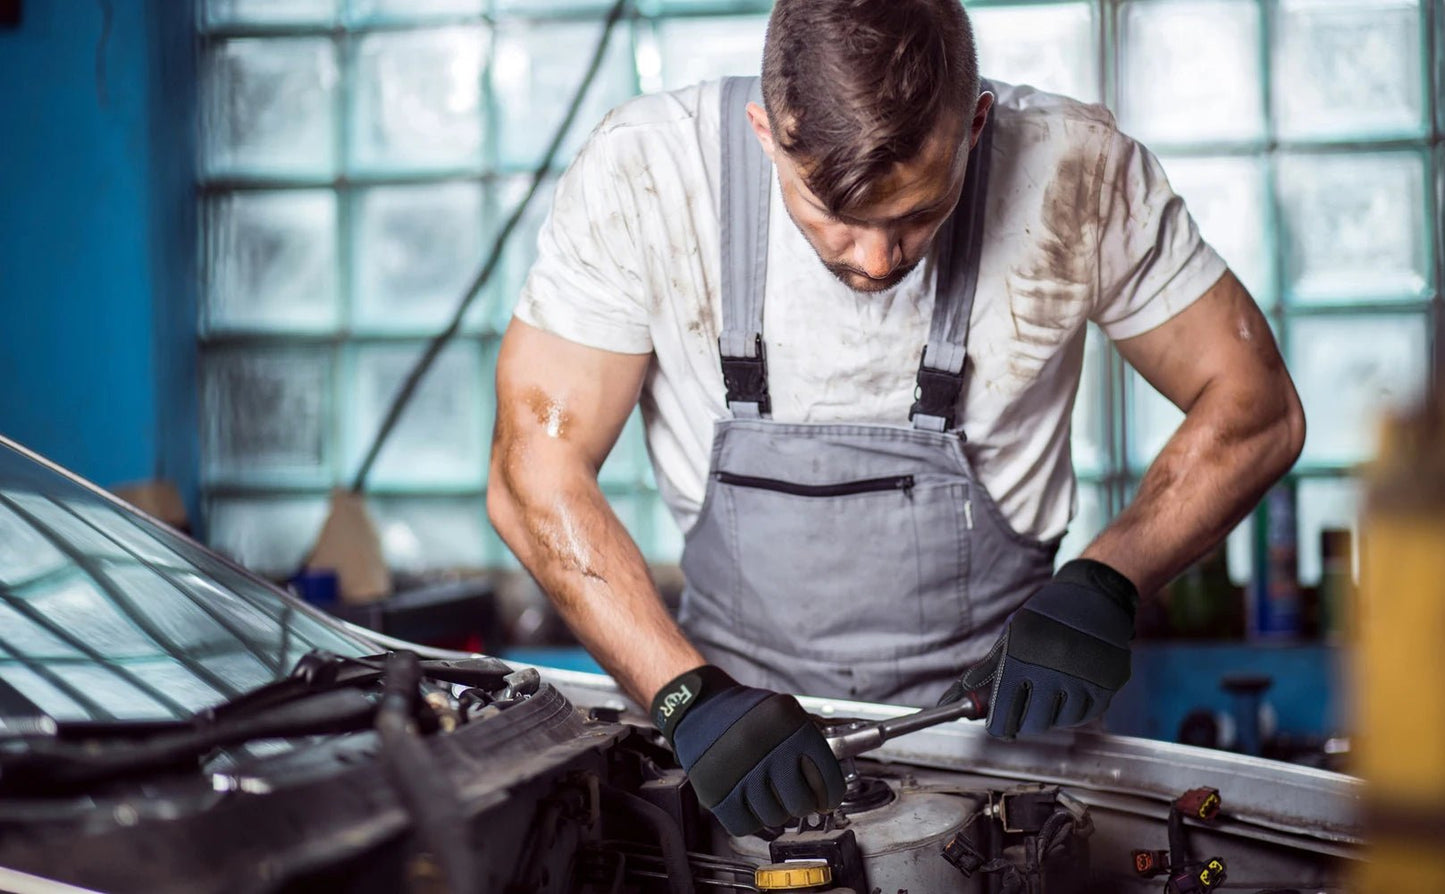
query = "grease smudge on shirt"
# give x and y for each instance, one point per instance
(1050, 297)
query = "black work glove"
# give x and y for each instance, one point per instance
(1062, 656)
(754, 757)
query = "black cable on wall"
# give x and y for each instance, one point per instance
(424, 363)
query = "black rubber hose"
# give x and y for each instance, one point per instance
(56, 767)
(1178, 848)
(669, 836)
(436, 812)
(1055, 833)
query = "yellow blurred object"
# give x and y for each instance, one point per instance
(793, 876)
(1401, 637)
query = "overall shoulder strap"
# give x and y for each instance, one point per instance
(744, 190)
(960, 242)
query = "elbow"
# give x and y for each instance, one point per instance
(522, 491)
(498, 504)
(1296, 431)
(1290, 431)
(503, 505)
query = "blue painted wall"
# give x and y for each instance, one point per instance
(1172, 678)
(95, 191)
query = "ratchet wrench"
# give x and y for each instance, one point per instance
(852, 740)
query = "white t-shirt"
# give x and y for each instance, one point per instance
(1080, 225)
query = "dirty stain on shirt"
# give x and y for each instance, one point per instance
(1080, 226)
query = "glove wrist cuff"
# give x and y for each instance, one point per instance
(1104, 579)
(685, 692)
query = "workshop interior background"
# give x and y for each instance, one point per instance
(229, 230)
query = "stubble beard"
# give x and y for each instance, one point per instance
(861, 282)
(851, 277)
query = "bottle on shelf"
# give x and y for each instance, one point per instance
(1337, 583)
(1277, 590)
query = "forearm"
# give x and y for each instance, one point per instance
(567, 536)
(1231, 447)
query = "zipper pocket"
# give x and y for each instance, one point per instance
(867, 485)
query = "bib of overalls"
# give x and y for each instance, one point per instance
(847, 560)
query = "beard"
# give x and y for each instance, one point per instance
(861, 282)
(852, 277)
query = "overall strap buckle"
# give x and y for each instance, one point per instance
(746, 379)
(936, 397)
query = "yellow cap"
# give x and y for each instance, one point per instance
(795, 875)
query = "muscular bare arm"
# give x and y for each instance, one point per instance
(560, 407)
(1243, 428)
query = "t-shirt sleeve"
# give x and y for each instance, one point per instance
(1152, 262)
(586, 283)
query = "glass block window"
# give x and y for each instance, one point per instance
(1304, 136)
(358, 156)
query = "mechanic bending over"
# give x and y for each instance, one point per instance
(762, 264)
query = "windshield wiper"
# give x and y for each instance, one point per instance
(324, 694)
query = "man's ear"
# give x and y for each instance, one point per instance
(980, 117)
(758, 118)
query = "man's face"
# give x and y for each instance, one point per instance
(874, 247)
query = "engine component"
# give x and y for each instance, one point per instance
(898, 843)
(1197, 878)
(864, 793)
(795, 876)
(1026, 809)
(1043, 843)
(1200, 803)
(968, 859)
(836, 849)
(1186, 876)
(1148, 864)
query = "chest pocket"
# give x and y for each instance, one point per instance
(841, 571)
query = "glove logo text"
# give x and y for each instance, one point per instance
(672, 701)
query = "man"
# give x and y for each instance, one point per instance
(852, 301)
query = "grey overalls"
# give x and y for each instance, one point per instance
(850, 560)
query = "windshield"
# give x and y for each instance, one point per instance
(107, 616)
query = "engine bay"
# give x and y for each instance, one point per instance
(904, 829)
(505, 782)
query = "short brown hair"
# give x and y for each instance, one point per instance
(854, 87)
